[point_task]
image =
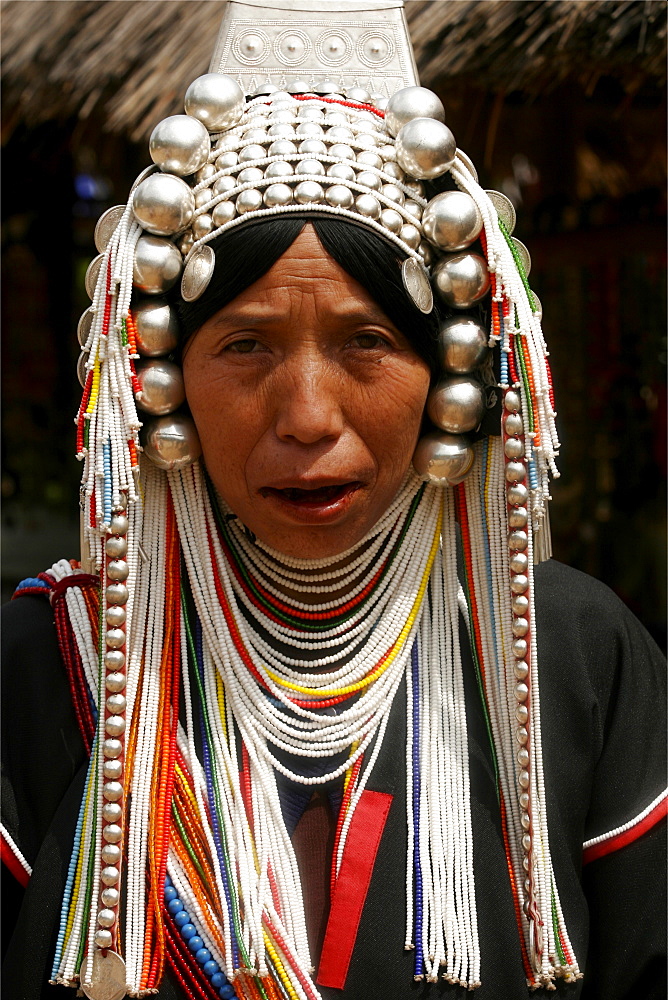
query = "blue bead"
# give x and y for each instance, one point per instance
(181, 918)
(174, 905)
(203, 955)
(188, 931)
(218, 980)
(170, 893)
(195, 943)
(210, 968)
(226, 992)
(168, 880)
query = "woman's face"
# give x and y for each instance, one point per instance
(308, 402)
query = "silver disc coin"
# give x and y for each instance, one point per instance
(83, 327)
(197, 273)
(416, 283)
(107, 979)
(504, 209)
(92, 274)
(106, 226)
(82, 371)
(523, 255)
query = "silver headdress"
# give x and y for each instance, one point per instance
(315, 110)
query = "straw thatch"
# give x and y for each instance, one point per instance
(130, 61)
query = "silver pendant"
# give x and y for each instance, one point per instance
(107, 979)
(106, 226)
(416, 283)
(504, 209)
(197, 273)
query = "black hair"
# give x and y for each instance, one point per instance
(246, 253)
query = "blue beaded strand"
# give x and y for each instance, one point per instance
(108, 485)
(188, 932)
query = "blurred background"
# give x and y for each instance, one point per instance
(560, 104)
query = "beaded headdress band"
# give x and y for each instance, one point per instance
(361, 146)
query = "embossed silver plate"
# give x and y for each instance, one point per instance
(416, 283)
(83, 327)
(107, 978)
(106, 226)
(197, 273)
(504, 209)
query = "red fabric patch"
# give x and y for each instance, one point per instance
(628, 836)
(352, 885)
(9, 859)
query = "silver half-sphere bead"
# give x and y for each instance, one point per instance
(461, 279)
(161, 384)
(441, 458)
(249, 200)
(224, 212)
(462, 345)
(409, 103)
(456, 405)
(309, 191)
(172, 442)
(157, 328)
(163, 204)
(425, 148)
(157, 265)
(277, 194)
(339, 196)
(179, 145)
(358, 94)
(216, 100)
(452, 220)
(85, 325)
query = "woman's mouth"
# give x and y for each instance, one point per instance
(319, 503)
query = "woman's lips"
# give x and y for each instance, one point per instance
(317, 504)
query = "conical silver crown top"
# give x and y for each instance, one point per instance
(349, 43)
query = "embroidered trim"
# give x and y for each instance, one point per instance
(12, 857)
(606, 843)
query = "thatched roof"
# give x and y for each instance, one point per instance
(128, 59)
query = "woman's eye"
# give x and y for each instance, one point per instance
(369, 341)
(246, 346)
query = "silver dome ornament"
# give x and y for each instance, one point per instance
(277, 194)
(308, 192)
(106, 226)
(185, 243)
(370, 158)
(252, 152)
(202, 226)
(228, 159)
(197, 273)
(416, 282)
(367, 205)
(444, 459)
(250, 175)
(279, 168)
(172, 442)
(342, 171)
(359, 95)
(462, 345)
(157, 328)
(313, 167)
(161, 386)
(369, 179)
(456, 405)
(312, 147)
(391, 220)
(452, 220)
(249, 201)
(461, 279)
(203, 197)
(157, 265)
(425, 148)
(410, 235)
(523, 254)
(504, 209)
(409, 103)
(216, 100)
(163, 204)
(179, 145)
(282, 147)
(297, 87)
(92, 275)
(264, 90)
(342, 151)
(339, 196)
(222, 213)
(224, 184)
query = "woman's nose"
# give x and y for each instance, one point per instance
(310, 406)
